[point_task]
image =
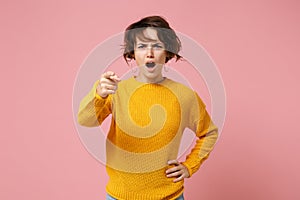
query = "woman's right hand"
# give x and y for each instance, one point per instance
(108, 84)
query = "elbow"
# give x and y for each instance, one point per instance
(87, 122)
(81, 122)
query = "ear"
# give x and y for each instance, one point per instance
(131, 54)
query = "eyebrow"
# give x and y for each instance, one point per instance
(139, 43)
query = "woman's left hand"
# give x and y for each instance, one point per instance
(179, 171)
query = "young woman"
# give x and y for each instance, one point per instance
(149, 114)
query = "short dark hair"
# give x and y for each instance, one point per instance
(164, 32)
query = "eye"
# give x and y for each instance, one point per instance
(157, 46)
(141, 46)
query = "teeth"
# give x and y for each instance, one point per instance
(151, 64)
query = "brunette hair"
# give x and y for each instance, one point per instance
(164, 32)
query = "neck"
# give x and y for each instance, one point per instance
(147, 80)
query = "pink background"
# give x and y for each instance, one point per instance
(255, 45)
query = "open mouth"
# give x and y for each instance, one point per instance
(150, 64)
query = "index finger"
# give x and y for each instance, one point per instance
(108, 74)
(111, 76)
(115, 78)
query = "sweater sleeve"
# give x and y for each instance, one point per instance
(207, 134)
(93, 109)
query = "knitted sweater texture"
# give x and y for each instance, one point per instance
(148, 120)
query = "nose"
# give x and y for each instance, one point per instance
(150, 52)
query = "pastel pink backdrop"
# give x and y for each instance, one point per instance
(255, 45)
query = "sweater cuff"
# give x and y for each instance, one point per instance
(188, 168)
(192, 165)
(98, 96)
(95, 91)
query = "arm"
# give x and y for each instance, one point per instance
(207, 134)
(97, 105)
(93, 108)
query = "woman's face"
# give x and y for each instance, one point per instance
(150, 56)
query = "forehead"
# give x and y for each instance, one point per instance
(147, 35)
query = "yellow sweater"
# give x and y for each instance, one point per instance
(146, 128)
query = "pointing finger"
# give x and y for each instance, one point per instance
(115, 78)
(108, 74)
